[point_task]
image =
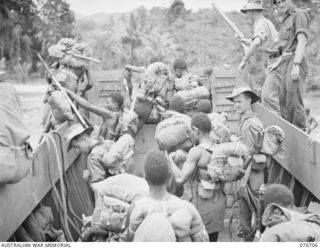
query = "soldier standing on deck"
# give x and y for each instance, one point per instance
(265, 40)
(250, 133)
(294, 33)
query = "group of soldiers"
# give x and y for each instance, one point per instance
(285, 53)
(200, 216)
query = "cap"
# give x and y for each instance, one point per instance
(73, 131)
(252, 5)
(244, 89)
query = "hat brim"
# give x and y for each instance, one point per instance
(245, 10)
(254, 97)
(87, 130)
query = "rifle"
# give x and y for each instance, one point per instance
(73, 107)
(83, 57)
(234, 28)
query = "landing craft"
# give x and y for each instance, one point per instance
(299, 171)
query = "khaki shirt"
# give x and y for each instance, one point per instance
(296, 21)
(250, 132)
(266, 31)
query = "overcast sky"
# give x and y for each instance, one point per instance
(88, 7)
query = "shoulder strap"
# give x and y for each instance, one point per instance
(206, 147)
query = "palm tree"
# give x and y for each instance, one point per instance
(160, 44)
(133, 37)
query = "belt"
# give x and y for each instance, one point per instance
(274, 55)
(278, 54)
(287, 53)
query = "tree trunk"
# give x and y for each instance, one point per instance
(131, 54)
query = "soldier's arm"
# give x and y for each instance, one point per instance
(302, 25)
(135, 68)
(88, 106)
(301, 48)
(252, 48)
(69, 59)
(260, 36)
(181, 176)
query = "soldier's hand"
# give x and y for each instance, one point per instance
(274, 65)
(295, 72)
(271, 68)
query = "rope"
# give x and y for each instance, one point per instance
(62, 203)
(69, 205)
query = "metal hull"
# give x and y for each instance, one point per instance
(300, 170)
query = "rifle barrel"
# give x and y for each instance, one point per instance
(84, 57)
(232, 26)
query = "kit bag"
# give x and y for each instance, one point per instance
(227, 161)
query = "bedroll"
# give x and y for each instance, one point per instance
(226, 162)
(174, 133)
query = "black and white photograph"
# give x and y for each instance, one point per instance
(159, 121)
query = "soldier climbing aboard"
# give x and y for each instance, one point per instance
(72, 66)
(117, 120)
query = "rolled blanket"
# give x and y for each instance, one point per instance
(65, 46)
(194, 94)
(174, 133)
(226, 162)
(187, 82)
(230, 149)
(220, 133)
(117, 157)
